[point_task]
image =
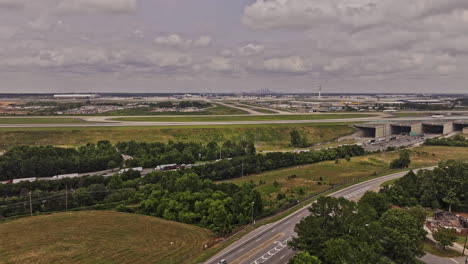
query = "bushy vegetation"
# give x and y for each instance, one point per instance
(445, 187)
(341, 231)
(456, 141)
(189, 199)
(42, 161)
(402, 162)
(228, 169)
(152, 154)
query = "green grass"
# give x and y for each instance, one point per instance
(217, 109)
(408, 114)
(40, 120)
(461, 240)
(308, 176)
(99, 237)
(267, 137)
(241, 118)
(434, 250)
(264, 111)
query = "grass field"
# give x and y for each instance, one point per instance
(242, 118)
(267, 137)
(217, 109)
(308, 176)
(40, 120)
(264, 111)
(99, 237)
(447, 253)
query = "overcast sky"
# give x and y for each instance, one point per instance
(233, 45)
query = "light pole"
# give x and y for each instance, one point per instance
(253, 221)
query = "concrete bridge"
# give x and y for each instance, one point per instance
(383, 130)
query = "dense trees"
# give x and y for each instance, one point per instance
(444, 187)
(227, 169)
(298, 140)
(445, 237)
(152, 154)
(402, 162)
(341, 231)
(456, 141)
(189, 199)
(32, 161)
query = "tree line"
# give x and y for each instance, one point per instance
(177, 196)
(251, 164)
(456, 141)
(152, 154)
(445, 187)
(46, 161)
(371, 231)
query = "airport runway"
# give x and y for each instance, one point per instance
(268, 244)
(106, 121)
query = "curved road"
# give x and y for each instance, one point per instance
(268, 244)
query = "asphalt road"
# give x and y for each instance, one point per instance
(106, 121)
(268, 243)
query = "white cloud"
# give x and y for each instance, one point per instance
(106, 6)
(251, 49)
(12, 4)
(220, 64)
(292, 64)
(203, 41)
(178, 41)
(352, 13)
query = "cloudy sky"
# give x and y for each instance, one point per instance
(233, 45)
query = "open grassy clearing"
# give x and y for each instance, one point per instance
(434, 250)
(461, 241)
(267, 136)
(40, 120)
(308, 176)
(264, 111)
(241, 118)
(407, 114)
(217, 109)
(99, 237)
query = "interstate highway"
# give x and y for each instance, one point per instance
(268, 244)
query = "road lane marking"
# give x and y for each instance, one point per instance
(454, 260)
(280, 246)
(240, 250)
(258, 239)
(274, 230)
(257, 249)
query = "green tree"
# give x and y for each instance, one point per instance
(304, 258)
(378, 201)
(296, 139)
(402, 236)
(445, 237)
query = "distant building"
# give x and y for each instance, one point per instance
(74, 96)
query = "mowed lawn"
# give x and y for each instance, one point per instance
(99, 237)
(267, 137)
(40, 120)
(240, 118)
(328, 172)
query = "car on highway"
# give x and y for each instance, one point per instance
(223, 261)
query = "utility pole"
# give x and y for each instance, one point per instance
(242, 175)
(30, 203)
(253, 221)
(464, 247)
(66, 197)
